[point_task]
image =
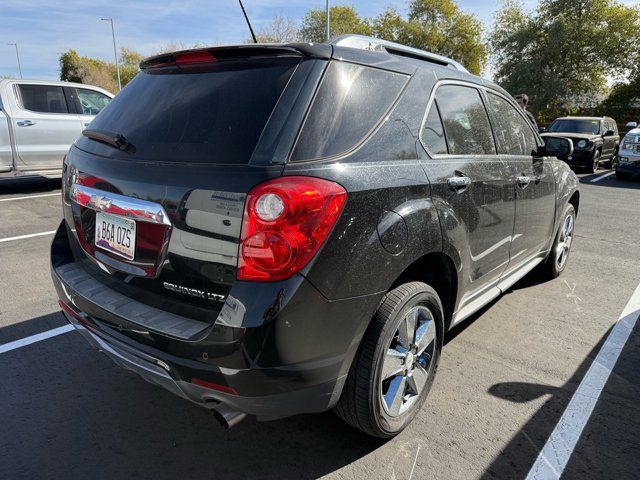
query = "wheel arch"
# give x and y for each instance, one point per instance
(437, 270)
(575, 200)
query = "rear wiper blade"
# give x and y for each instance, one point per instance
(116, 140)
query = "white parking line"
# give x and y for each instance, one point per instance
(555, 454)
(22, 237)
(601, 177)
(23, 342)
(30, 196)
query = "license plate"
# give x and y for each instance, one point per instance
(116, 235)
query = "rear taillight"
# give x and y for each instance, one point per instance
(285, 222)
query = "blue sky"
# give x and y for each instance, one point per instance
(45, 28)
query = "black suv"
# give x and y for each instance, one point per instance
(279, 229)
(595, 139)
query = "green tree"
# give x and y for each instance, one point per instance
(91, 71)
(623, 103)
(562, 53)
(438, 26)
(129, 64)
(79, 69)
(342, 20)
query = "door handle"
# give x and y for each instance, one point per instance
(459, 184)
(26, 123)
(523, 181)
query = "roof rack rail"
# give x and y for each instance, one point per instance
(378, 45)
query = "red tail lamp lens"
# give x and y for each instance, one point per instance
(286, 221)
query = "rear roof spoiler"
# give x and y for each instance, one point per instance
(363, 42)
(312, 50)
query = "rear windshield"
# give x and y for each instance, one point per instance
(215, 116)
(576, 126)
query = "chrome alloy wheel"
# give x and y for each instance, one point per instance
(406, 365)
(564, 241)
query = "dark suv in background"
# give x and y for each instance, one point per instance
(595, 140)
(280, 229)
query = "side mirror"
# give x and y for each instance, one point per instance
(609, 133)
(558, 146)
(542, 129)
(632, 125)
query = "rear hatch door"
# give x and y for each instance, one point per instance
(157, 213)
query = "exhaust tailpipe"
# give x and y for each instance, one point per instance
(227, 417)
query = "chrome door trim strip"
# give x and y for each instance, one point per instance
(107, 202)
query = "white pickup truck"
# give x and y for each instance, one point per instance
(39, 120)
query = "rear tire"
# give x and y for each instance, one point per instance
(557, 260)
(612, 163)
(397, 360)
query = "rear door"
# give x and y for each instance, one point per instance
(531, 177)
(472, 185)
(6, 153)
(44, 126)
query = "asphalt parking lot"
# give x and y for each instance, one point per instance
(505, 379)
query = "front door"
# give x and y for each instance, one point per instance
(532, 179)
(43, 125)
(90, 103)
(470, 185)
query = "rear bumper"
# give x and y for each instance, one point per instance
(269, 407)
(294, 363)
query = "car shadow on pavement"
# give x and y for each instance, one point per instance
(68, 412)
(28, 185)
(609, 446)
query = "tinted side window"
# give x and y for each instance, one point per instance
(92, 102)
(465, 121)
(513, 132)
(350, 102)
(43, 98)
(433, 132)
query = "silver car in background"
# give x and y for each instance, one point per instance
(628, 163)
(39, 120)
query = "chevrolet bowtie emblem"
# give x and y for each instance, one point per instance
(100, 202)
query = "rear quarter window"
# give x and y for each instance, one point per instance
(433, 132)
(350, 102)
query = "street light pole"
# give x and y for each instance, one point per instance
(328, 26)
(18, 57)
(115, 50)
